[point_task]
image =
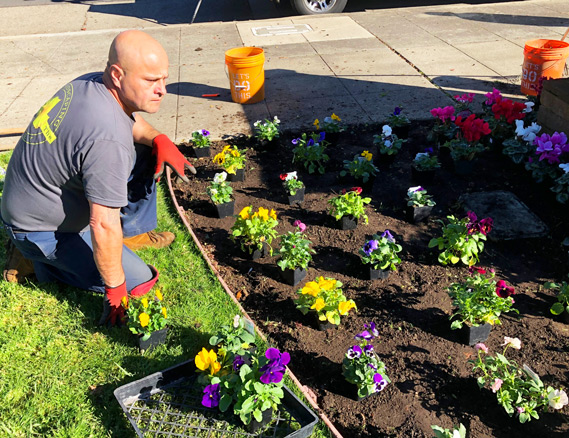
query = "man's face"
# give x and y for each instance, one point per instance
(143, 88)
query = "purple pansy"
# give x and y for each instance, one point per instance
(322, 136)
(396, 111)
(295, 140)
(372, 366)
(310, 142)
(371, 328)
(387, 234)
(354, 352)
(273, 371)
(380, 382)
(370, 247)
(211, 396)
(428, 150)
(204, 132)
(368, 350)
(237, 362)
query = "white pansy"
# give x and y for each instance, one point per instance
(387, 143)
(386, 130)
(276, 119)
(219, 177)
(413, 189)
(257, 123)
(557, 399)
(421, 155)
(512, 342)
(564, 167)
(529, 107)
(213, 192)
(328, 120)
(290, 175)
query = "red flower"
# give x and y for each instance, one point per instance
(283, 176)
(486, 225)
(476, 269)
(356, 189)
(508, 109)
(503, 290)
(472, 128)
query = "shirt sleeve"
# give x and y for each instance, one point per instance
(106, 169)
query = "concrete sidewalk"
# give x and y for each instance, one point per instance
(357, 65)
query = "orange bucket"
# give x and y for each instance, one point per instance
(246, 74)
(542, 58)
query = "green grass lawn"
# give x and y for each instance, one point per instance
(58, 369)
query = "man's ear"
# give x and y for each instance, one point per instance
(117, 74)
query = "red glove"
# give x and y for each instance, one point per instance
(167, 153)
(113, 311)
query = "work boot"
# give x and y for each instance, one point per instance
(17, 268)
(152, 239)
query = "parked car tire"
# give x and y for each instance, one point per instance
(317, 7)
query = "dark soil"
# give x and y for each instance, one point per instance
(432, 382)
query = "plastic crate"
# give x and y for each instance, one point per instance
(168, 404)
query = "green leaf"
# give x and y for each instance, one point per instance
(225, 402)
(258, 415)
(557, 308)
(456, 325)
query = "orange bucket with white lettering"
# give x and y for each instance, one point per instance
(246, 73)
(542, 58)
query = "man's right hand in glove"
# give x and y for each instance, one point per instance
(113, 310)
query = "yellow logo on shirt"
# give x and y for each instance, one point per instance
(41, 119)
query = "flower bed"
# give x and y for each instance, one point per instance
(431, 379)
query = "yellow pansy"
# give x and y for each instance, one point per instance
(330, 317)
(159, 295)
(345, 306)
(273, 214)
(144, 319)
(225, 148)
(124, 302)
(144, 302)
(310, 288)
(318, 304)
(264, 213)
(317, 123)
(164, 312)
(207, 359)
(335, 117)
(219, 158)
(230, 169)
(326, 284)
(235, 153)
(367, 155)
(244, 214)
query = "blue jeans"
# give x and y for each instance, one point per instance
(68, 257)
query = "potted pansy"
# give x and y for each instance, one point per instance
(293, 187)
(220, 193)
(201, 143)
(348, 207)
(255, 231)
(462, 239)
(325, 298)
(295, 254)
(468, 143)
(424, 166)
(309, 151)
(518, 389)
(361, 168)
(267, 132)
(331, 126)
(251, 383)
(232, 160)
(380, 252)
(147, 319)
(561, 307)
(399, 122)
(419, 204)
(236, 338)
(388, 143)
(362, 367)
(479, 301)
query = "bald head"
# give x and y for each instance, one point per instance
(133, 49)
(136, 71)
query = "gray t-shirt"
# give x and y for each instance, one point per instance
(78, 147)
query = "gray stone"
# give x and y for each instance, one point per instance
(512, 218)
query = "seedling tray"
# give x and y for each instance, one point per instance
(168, 404)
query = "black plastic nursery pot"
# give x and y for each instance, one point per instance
(378, 274)
(297, 198)
(293, 276)
(268, 144)
(238, 176)
(422, 176)
(418, 214)
(464, 167)
(266, 417)
(156, 338)
(226, 209)
(168, 403)
(260, 253)
(565, 317)
(201, 152)
(347, 223)
(321, 325)
(475, 334)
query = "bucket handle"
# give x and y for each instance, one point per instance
(565, 34)
(239, 87)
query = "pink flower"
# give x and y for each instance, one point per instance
(481, 346)
(497, 385)
(300, 225)
(443, 113)
(512, 342)
(492, 97)
(520, 409)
